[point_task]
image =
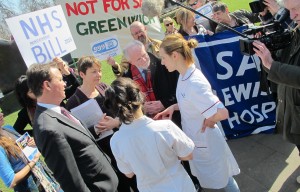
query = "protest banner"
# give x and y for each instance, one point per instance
(92, 20)
(235, 78)
(42, 35)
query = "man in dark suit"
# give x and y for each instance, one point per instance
(70, 150)
(154, 80)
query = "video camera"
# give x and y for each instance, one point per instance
(275, 40)
(257, 6)
(273, 35)
(278, 38)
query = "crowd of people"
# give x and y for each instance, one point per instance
(158, 131)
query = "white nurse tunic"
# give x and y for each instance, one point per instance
(150, 149)
(213, 162)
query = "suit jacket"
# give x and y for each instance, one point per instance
(72, 154)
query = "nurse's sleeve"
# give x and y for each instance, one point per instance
(123, 166)
(182, 144)
(203, 98)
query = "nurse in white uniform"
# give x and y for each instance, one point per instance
(213, 163)
(149, 149)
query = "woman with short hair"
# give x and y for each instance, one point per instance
(89, 69)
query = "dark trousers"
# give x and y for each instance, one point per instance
(186, 166)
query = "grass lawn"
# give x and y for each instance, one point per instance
(108, 77)
(237, 4)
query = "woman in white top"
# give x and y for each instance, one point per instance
(213, 163)
(149, 149)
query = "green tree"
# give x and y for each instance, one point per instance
(9, 9)
(34, 5)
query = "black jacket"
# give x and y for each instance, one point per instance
(72, 154)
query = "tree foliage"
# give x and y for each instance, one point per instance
(6, 11)
(10, 8)
(34, 5)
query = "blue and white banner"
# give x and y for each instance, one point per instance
(236, 80)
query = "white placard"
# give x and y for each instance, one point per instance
(204, 10)
(42, 35)
(207, 11)
(107, 47)
(89, 113)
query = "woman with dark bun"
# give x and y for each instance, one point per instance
(149, 149)
(213, 164)
(89, 69)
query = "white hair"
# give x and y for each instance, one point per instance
(130, 45)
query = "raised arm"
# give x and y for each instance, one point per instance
(278, 72)
(119, 69)
(167, 113)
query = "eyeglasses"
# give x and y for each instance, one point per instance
(167, 25)
(193, 4)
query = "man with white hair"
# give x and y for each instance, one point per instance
(139, 32)
(154, 80)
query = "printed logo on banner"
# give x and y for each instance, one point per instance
(236, 81)
(106, 47)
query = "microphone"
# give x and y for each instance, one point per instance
(152, 8)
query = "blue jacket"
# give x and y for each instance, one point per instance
(10, 165)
